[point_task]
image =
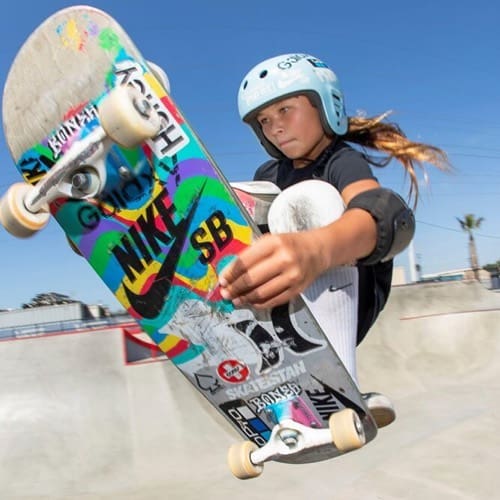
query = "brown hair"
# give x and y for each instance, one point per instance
(375, 133)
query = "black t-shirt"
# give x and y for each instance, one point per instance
(340, 165)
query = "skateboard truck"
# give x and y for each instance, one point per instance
(126, 118)
(290, 439)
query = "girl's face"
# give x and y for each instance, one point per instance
(293, 126)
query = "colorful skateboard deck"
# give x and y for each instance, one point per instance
(161, 229)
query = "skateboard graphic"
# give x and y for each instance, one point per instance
(103, 148)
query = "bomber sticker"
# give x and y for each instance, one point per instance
(279, 394)
(267, 382)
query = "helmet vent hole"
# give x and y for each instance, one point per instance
(263, 74)
(245, 85)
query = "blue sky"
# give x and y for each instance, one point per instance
(434, 63)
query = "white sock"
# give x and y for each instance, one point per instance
(333, 297)
(333, 300)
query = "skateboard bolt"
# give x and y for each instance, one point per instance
(143, 106)
(124, 172)
(270, 415)
(80, 181)
(289, 437)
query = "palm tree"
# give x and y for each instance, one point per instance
(469, 224)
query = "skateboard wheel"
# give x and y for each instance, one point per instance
(346, 430)
(128, 118)
(73, 246)
(240, 464)
(160, 75)
(14, 215)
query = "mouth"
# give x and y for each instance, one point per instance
(284, 143)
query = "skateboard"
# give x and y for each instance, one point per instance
(102, 147)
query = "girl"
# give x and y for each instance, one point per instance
(295, 106)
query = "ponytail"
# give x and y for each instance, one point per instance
(389, 139)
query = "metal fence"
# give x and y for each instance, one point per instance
(56, 327)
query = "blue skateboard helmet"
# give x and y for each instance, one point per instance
(288, 75)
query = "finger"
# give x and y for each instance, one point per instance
(249, 257)
(264, 292)
(275, 301)
(232, 272)
(260, 276)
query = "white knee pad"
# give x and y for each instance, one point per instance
(306, 205)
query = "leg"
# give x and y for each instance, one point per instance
(333, 297)
(256, 197)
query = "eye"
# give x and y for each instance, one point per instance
(262, 121)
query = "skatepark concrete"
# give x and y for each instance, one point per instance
(76, 422)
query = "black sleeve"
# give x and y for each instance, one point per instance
(347, 166)
(268, 171)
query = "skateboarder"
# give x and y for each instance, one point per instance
(295, 106)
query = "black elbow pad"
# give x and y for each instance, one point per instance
(395, 222)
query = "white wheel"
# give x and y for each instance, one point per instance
(73, 246)
(240, 464)
(346, 430)
(127, 117)
(14, 215)
(160, 75)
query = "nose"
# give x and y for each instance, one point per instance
(276, 126)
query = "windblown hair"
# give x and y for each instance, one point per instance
(387, 138)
